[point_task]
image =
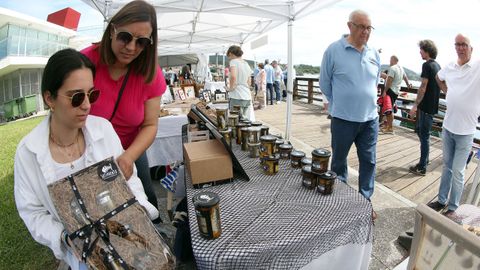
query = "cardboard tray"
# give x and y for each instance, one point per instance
(127, 228)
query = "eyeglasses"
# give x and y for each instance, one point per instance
(462, 45)
(127, 37)
(79, 97)
(362, 27)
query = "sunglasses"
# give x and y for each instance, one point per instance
(127, 37)
(79, 97)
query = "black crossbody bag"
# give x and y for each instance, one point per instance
(120, 94)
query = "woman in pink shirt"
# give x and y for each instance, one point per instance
(126, 57)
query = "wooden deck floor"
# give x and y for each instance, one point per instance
(395, 153)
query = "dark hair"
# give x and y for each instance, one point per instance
(260, 65)
(429, 47)
(235, 50)
(135, 11)
(59, 67)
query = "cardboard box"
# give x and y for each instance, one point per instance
(207, 161)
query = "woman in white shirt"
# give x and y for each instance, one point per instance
(239, 87)
(261, 82)
(68, 140)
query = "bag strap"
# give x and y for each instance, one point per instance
(120, 94)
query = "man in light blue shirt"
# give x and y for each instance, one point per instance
(269, 72)
(349, 76)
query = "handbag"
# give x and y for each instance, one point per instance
(120, 94)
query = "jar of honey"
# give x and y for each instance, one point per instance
(263, 130)
(221, 119)
(239, 133)
(285, 149)
(208, 214)
(254, 134)
(270, 165)
(296, 158)
(320, 158)
(244, 132)
(278, 142)
(232, 123)
(306, 161)
(227, 135)
(309, 180)
(325, 182)
(267, 145)
(254, 149)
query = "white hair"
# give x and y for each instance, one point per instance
(356, 13)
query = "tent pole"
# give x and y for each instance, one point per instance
(289, 80)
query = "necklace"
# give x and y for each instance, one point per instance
(63, 145)
(63, 149)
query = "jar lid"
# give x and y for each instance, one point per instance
(273, 157)
(256, 123)
(254, 129)
(233, 116)
(205, 199)
(297, 153)
(248, 122)
(268, 138)
(306, 169)
(328, 175)
(285, 146)
(320, 152)
(306, 161)
(264, 127)
(228, 130)
(241, 124)
(279, 141)
(253, 144)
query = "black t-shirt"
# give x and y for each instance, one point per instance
(429, 102)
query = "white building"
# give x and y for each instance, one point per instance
(26, 43)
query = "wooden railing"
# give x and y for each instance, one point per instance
(307, 88)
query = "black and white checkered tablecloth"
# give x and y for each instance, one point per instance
(273, 222)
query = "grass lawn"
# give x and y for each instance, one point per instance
(18, 250)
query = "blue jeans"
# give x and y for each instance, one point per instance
(276, 85)
(364, 135)
(456, 149)
(425, 121)
(270, 93)
(143, 172)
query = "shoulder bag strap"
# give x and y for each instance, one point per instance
(120, 94)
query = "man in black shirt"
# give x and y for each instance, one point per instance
(426, 102)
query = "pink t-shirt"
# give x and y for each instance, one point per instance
(130, 112)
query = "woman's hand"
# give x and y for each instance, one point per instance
(126, 164)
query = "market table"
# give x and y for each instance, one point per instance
(167, 146)
(273, 222)
(212, 86)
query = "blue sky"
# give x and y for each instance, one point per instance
(399, 25)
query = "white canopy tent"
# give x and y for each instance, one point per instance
(210, 26)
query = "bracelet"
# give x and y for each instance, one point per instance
(64, 238)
